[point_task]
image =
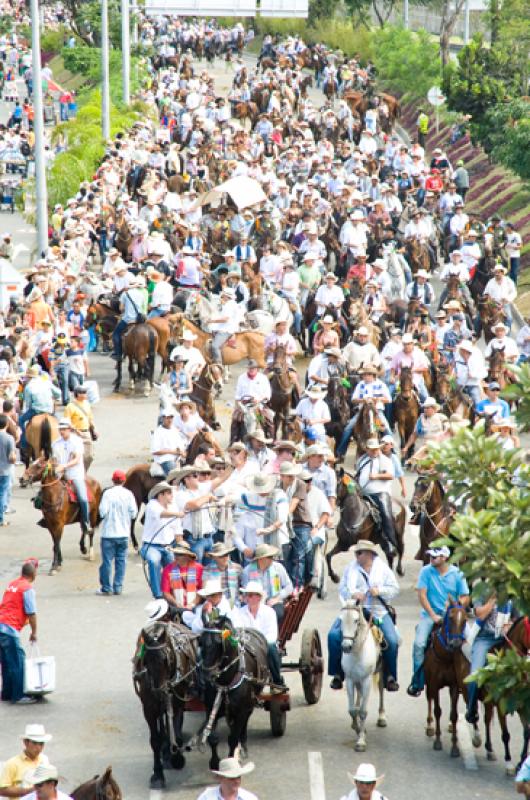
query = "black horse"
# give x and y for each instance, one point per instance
(234, 667)
(164, 679)
(339, 408)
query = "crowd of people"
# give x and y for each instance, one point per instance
(368, 239)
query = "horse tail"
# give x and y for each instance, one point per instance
(46, 438)
(152, 352)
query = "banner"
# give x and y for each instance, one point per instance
(201, 8)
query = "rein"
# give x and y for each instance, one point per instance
(444, 636)
(513, 646)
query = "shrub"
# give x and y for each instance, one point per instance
(407, 62)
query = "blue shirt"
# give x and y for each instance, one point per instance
(524, 773)
(501, 407)
(439, 587)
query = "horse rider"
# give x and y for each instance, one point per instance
(272, 575)
(330, 295)
(39, 397)
(502, 290)
(375, 473)
(370, 581)
(470, 370)
(313, 411)
(361, 351)
(221, 568)
(195, 359)
(133, 307)
(162, 527)
(438, 582)
(214, 604)
(162, 296)
(410, 356)
(257, 615)
(430, 427)
(373, 391)
(167, 442)
(322, 475)
(68, 451)
(281, 337)
(253, 385)
(224, 323)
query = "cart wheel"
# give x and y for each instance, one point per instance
(278, 717)
(311, 665)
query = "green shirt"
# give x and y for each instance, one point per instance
(311, 276)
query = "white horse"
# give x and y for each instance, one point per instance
(278, 307)
(360, 662)
(396, 272)
(201, 309)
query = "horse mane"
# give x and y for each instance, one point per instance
(46, 438)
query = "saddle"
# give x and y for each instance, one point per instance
(71, 492)
(373, 510)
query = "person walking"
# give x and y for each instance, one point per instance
(7, 458)
(117, 509)
(461, 179)
(229, 773)
(18, 608)
(422, 125)
(16, 778)
(365, 780)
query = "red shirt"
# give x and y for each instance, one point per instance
(12, 610)
(182, 583)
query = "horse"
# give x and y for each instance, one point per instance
(499, 370)
(490, 312)
(417, 254)
(41, 431)
(200, 438)
(248, 344)
(429, 505)
(140, 342)
(59, 510)
(366, 426)
(248, 417)
(357, 522)
(406, 409)
(139, 481)
(446, 665)
(164, 678)
(360, 663)
(100, 787)
(339, 409)
(282, 385)
(208, 383)
(449, 395)
(234, 665)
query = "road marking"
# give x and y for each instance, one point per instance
(466, 745)
(155, 794)
(316, 776)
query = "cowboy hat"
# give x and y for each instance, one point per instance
(327, 320)
(290, 469)
(430, 402)
(44, 773)
(364, 544)
(220, 549)
(231, 768)
(439, 551)
(260, 483)
(365, 774)
(186, 402)
(182, 549)
(178, 474)
(466, 346)
(239, 446)
(314, 391)
(36, 733)
(64, 423)
(369, 369)
(408, 338)
(157, 489)
(210, 587)
(363, 331)
(331, 277)
(372, 444)
(498, 325)
(259, 436)
(496, 268)
(156, 609)
(315, 450)
(285, 444)
(421, 273)
(253, 587)
(265, 551)
(188, 336)
(333, 351)
(33, 371)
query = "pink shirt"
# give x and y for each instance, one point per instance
(417, 360)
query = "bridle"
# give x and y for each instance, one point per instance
(421, 505)
(444, 635)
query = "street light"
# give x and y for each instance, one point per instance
(105, 90)
(125, 51)
(41, 193)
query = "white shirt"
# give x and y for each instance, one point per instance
(380, 577)
(230, 310)
(64, 450)
(325, 297)
(472, 373)
(117, 508)
(318, 504)
(265, 621)
(258, 388)
(372, 466)
(308, 410)
(355, 354)
(213, 793)
(166, 439)
(156, 529)
(162, 295)
(459, 268)
(503, 292)
(513, 244)
(193, 619)
(510, 348)
(60, 796)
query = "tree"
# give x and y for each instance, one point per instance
(450, 11)
(85, 21)
(509, 23)
(490, 537)
(406, 61)
(505, 133)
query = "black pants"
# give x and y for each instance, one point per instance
(383, 502)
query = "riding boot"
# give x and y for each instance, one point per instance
(85, 515)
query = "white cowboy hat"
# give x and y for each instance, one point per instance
(500, 325)
(155, 609)
(43, 773)
(372, 444)
(64, 423)
(36, 733)
(331, 276)
(265, 551)
(430, 402)
(407, 338)
(254, 587)
(288, 468)
(327, 319)
(188, 336)
(364, 544)
(314, 392)
(260, 483)
(365, 774)
(439, 551)
(315, 450)
(380, 264)
(333, 351)
(163, 486)
(231, 768)
(210, 587)
(465, 345)
(357, 216)
(421, 273)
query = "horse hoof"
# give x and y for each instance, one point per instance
(429, 731)
(491, 757)
(83, 549)
(476, 741)
(455, 752)
(381, 722)
(91, 554)
(400, 571)
(157, 782)
(510, 771)
(437, 745)
(334, 577)
(177, 761)
(360, 747)
(53, 571)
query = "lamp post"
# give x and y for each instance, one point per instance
(41, 194)
(125, 51)
(105, 90)
(406, 13)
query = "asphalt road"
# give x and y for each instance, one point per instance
(96, 719)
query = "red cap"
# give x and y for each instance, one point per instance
(119, 475)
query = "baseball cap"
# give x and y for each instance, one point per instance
(118, 475)
(439, 551)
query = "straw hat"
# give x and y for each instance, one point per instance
(265, 551)
(260, 483)
(372, 444)
(259, 436)
(44, 773)
(290, 469)
(163, 486)
(182, 549)
(220, 549)
(231, 768)
(364, 544)
(179, 473)
(285, 444)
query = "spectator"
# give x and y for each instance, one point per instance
(45, 779)
(17, 608)
(117, 509)
(17, 774)
(7, 459)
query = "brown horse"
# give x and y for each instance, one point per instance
(202, 437)
(446, 665)
(499, 370)
(357, 522)
(366, 426)
(282, 385)
(59, 510)
(41, 431)
(209, 382)
(431, 511)
(417, 255)
(244, 111)
(339, 408)
(139, 481)
(101, 787)
(249, 344)
(449, 395)
(406, 409)
(140, 342)
(490, 312)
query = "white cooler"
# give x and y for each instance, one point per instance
(39, 673)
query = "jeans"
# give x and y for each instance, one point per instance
(383, 501)
(474, 393)
(63, 108)
(167, 466)
(12, 658)
(157, 312)
(157, 558)
(5, 487)
(79, 485)
(199, 546)
(23, 421)
(300, 556)
(63, 378)
(348, 431)
(274, 662)
(113, 549)
(479, 652)
(116, 337)
(423, 630)
(514, 269)
(389, 653)
(76, 379)
(219, 340)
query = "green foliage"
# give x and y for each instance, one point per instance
(407, 62)
(505, 133)
(337, 34)
(52, 39)
(86, 21)
(86, 61)
(506, 679)
(6, 24)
